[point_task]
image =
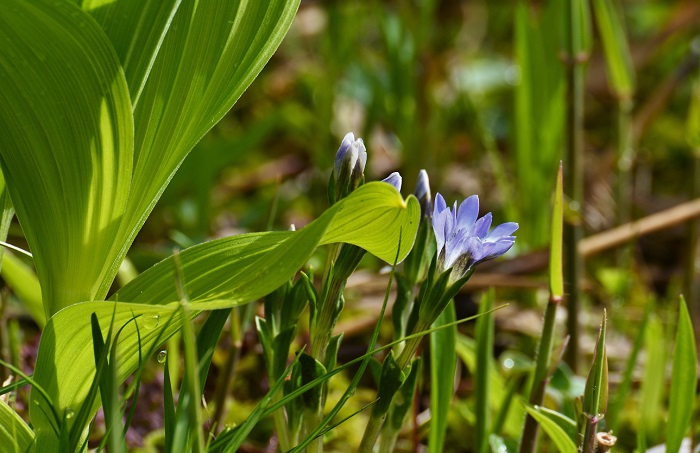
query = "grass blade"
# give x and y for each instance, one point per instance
(684, 380)
(484, 352)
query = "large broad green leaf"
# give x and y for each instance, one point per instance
(181, 87)
(684, 380)
(136, 29)
(221, 273)
(66, 144)
(235, 268)
(15, 435)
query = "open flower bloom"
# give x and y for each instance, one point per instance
(464, 240)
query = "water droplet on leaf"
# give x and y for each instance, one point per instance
(151, 321)
(70, 413)
(162, 356)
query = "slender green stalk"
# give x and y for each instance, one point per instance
(625, 161)
(556, 295)
(573, 232)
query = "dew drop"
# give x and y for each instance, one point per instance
(70, 413)
(151, 321)
(162, 356)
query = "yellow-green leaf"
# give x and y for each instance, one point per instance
(218, 274)
(66, 144)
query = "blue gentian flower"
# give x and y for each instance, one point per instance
(394, 179)
(464, 240)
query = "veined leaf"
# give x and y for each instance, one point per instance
(210, 54)
(684, 380)
(136, 29)
(67, 143)
(235, 270)
(15, 435)
(238, 270)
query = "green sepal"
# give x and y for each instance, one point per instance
(403, 400)
(390, 382)
(311, 369)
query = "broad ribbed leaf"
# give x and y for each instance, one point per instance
(233, 271)
(218, 274)
(66, 144)
(211, 53)
(15, 435)
(136, 29)
(684, 380)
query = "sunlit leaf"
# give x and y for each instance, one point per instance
(67, 143)
(210, 54)
(237, 270)
(15, 435)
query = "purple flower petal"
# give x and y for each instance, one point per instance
(481, 227)
(394, 179)
(468, 212)
(504, 229)
(440, 205)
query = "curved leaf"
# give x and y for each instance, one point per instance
(15, 435)
(210, 54)
(235, 270)
(67, 143)
(221, 273)
(551, 425)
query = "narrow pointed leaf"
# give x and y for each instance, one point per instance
(684, 380)
(556, 275)
(67, 143)
(442, 376)
(617, 53)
